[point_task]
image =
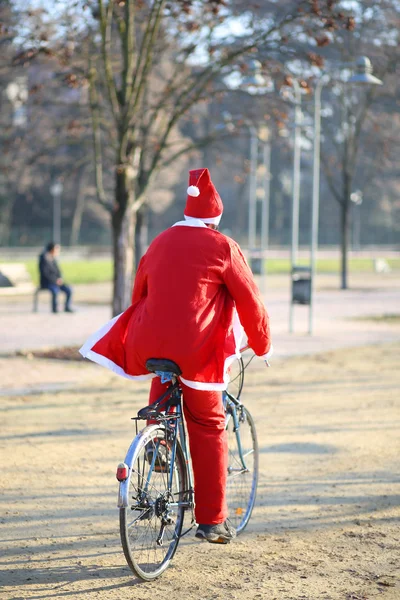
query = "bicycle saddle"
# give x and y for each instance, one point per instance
(162, 364)
(150, 412)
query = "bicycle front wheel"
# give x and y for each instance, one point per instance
(236, 378)
(151, 525)
(242, 467)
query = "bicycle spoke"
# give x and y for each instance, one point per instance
(160, 511)
(241, 482)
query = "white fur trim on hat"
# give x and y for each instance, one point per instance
(210, 220)
(193, 190)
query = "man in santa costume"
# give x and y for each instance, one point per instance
(193, 292)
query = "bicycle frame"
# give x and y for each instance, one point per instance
(181, 433)
(231, 408)
(173, 432)
(232, 405)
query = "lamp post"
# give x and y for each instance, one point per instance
(56, 190)
(356, 198)
(362, 76)
(17, 93)
(315, 193)
(253, 82)
(266, 197)
(257, 80)
(298, 117)
(298, 121)
(230, 123)
(252, 187)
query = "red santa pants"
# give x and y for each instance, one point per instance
(205, 420)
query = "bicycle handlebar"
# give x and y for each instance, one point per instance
(247, 347)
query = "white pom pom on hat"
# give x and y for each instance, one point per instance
(193, 190)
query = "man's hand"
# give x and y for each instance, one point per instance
(59, 281)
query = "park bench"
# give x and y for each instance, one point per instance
(38, 290)
(15, 279)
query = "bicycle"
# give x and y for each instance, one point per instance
(156, 481)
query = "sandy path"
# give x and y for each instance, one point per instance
(336, 316)
(326, 522)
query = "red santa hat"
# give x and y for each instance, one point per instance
(203, 201)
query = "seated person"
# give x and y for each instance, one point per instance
(50, 276)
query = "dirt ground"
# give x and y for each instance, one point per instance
(325, 526)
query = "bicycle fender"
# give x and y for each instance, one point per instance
(123, 492)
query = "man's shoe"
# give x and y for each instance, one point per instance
(69, 309)
(222, 533)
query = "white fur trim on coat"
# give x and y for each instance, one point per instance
(109, 364)
(269, 353)
(87, 352)
(210, 220)
(189, 222)
(204, 386)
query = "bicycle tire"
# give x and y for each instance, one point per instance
(241, 489)
(236, 374)
(145, 557)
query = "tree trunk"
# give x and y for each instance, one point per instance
(123, 224)
(141, 233)
(79, 208)
(5, 229)
(345, 231)
(6, 211)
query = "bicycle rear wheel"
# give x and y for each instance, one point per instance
(242, 478)
(151, 525)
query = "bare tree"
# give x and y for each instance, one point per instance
(138, 40)
(42, 129)
(353, 129)
(151, 63)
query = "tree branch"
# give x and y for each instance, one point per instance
(127, 34)
(330, 180)
(201, 143)
(144, 57)
(106, 15)
(192, 93)
(97, 147)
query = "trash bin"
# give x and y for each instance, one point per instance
(256, 265)
(301, 285)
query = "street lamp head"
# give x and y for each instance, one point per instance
(227, 117)
(56, 189)
(357, 197)
(227, 123)
(254, 77)
(363, 74)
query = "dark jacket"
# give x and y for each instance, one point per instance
(49, 270)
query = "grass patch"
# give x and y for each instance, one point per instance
(330, 265)
(64, 353)
(78, 271)
(392, 319)
(100, 270)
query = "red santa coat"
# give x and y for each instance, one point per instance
(188, 287)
